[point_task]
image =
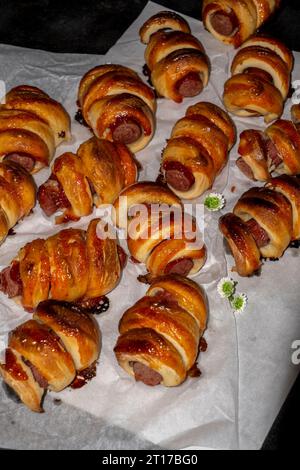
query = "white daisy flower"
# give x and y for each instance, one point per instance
(226, 287)
(214, 202)
(239, 303)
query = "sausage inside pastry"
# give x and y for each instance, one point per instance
(32, 125)
(175, 59)
(197, 150)
(160, 335)
(263, 224)
(118, 105)
(234, 21)
(57, 348)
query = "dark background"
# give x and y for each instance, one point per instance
(93, 27)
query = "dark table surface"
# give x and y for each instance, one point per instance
(93, 27)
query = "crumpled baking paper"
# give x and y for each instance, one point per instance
(247, 370)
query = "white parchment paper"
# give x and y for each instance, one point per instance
(247, 369)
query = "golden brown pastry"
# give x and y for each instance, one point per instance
(295, 112)
(264, 223)
(17, 195)
(197, 150)
(277, 149)
(175, 59)
(32, 125)
(118, 105)
(260, 82)
(290, 188)
(159, 233)
(234, 21)
(160, 335)
(73, 265)
(96, 175)
(58, 348)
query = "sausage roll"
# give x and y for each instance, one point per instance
(32, 125)
(175, 59)
(159, 233)
(17, 195)
(197, 150)
(261, 77)
(118, 105)
(73, 265)
(57, 348)
(263, 224)
(275, 150)
(160, 335)
(295, 112)
(234, 21)
(96, 175)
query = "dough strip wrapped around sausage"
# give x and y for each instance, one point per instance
(118, 105)
(234, 21)
(197, 150)
(32, 125)
(17, 195)
(176, 59)
(96, 175)
(277, 150)
(260, 81)
(159, 233)
(160, 335)
(57, 348)
(73, 265)
(263, 224)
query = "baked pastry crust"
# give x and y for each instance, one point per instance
(199, 143)
(263, 224)
(48, 351)
(110, 95)
(245, 17)
(175, 58)
(17, 195)
(162, 331)
(69, 266)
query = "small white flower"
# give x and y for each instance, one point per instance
(226, 287)
(214, 202)
(239, 303)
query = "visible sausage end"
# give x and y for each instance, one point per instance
(224, 23)
(10, 280)
(245, 168)
(258, 233)
(145, 374)
(190, 85)
(180, 266)
(24, 160)
(178, 176)
(51, 197)
(126, 132)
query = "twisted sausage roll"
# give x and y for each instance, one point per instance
(160, 335)
(264, 222)
(73, 265)
(234, 21)
(17, 195)
(197, 150)
(58, 348)
(32, 125)
(96, 175)
(159, 233)
(295, 112)
(260, 82)
(275, 150)
(176, 60)
(118, 105)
